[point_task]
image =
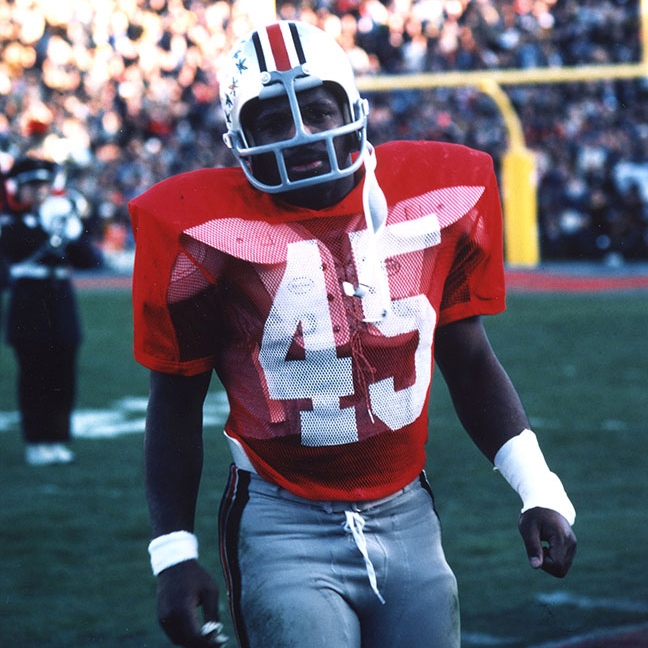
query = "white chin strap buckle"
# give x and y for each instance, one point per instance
(350, 291)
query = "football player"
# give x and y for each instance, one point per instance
(318, 281)
(42, 238)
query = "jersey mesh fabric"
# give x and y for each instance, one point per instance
(328, 392)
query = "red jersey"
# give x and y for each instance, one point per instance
(328, 392)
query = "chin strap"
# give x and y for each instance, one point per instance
(374, 205)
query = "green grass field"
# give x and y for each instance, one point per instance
(75, 569)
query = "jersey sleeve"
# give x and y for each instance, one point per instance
(174, 292)
(475, 283)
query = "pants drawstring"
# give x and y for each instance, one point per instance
(354, 525)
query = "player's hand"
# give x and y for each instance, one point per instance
(182, 589)
(549, 540)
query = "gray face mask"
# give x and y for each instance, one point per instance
(288, 83)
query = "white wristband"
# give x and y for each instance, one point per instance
(523, 465)
(172, 548)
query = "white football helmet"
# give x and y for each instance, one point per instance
(283, 59)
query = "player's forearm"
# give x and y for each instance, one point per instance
(484, 397)
(489, 407)
(491, 412)
(173, 451)
(172, 480)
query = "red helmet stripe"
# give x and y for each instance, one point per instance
(278, 46)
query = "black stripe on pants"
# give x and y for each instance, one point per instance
(230, 512)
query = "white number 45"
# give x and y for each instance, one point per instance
(301, 312)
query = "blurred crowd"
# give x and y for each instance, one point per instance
(124, 93)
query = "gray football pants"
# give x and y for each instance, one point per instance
(303, 574)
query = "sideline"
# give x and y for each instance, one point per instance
(576, 281)
(124, 416)
(548, 277)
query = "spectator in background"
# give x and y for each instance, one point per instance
(123, 91)
(628, 224)
(4, 265)
(42, 236)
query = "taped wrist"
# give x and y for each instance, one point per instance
(172, 548)
(523, 465)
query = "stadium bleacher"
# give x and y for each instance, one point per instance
(126, 95)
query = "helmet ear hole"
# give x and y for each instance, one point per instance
(342, 99)
(350, 113)
(247, 117)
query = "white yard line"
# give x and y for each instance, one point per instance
(125, 416)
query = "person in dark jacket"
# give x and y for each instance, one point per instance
(4, 265)
(42, 238)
